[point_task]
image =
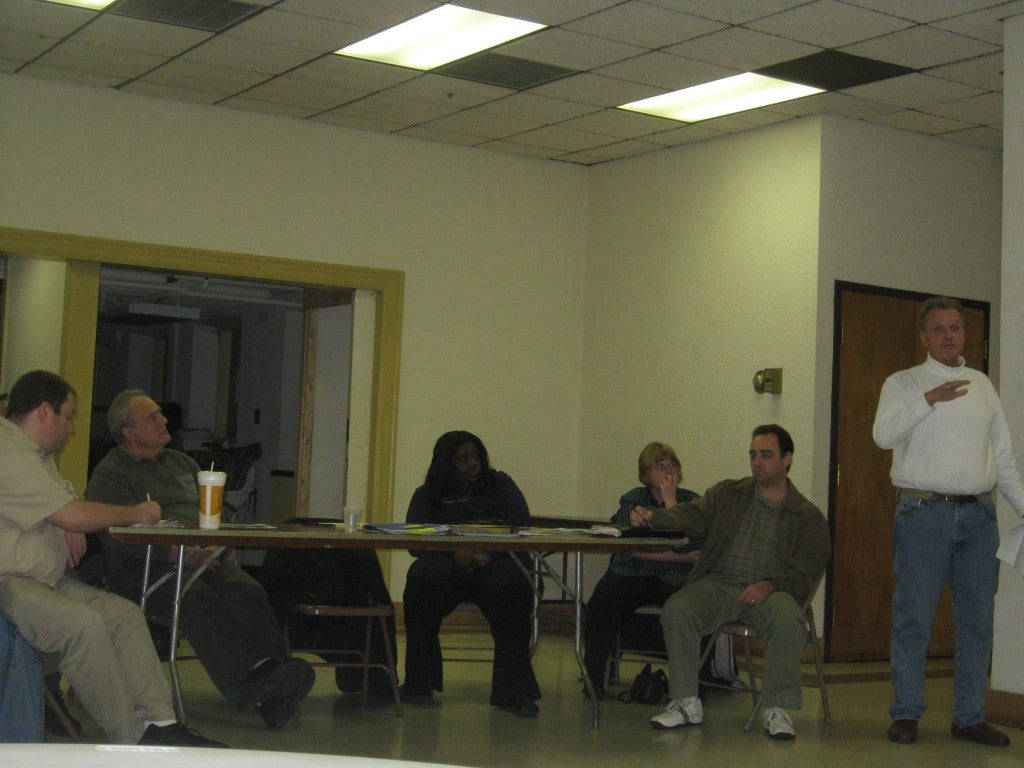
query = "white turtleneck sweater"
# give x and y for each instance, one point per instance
(961, 446)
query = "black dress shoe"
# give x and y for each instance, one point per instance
(522, 708)
(177, 735)
(980, 733)
(903, 731)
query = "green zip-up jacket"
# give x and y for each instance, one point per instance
(804, 540)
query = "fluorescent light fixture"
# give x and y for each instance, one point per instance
(721, 97)
(93, 5)
(434, 38)
(170, 311)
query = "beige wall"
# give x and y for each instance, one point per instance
(566, 315)
(1007, 674)
(701, 271)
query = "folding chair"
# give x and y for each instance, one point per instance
(747, 633)
(370, 612)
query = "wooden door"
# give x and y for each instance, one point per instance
(876, 335)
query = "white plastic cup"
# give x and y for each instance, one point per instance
(211, 498)
(352, 518)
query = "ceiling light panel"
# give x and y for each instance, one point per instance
(721, 97)
(437, 37)
(94, 5)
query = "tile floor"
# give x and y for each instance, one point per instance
(461, 729)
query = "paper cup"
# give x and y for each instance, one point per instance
(211, 498)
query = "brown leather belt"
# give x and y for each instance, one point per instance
(952, 498)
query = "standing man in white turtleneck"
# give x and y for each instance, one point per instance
(951, 447)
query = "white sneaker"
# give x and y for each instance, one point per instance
(680, 712)
(778, 725)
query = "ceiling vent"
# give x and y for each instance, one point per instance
(506, 71)
(208, 15)
(834, 70)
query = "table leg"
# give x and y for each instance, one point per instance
(578, 640)
(179, 707)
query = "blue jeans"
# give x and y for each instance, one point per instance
(934, 542)
(21, 688)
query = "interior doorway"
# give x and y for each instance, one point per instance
(875, 335)
(223, 357)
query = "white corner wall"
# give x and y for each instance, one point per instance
(702, 271)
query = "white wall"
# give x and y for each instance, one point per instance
(1007, 674)
(492, 246)
(902, 211)
(701, 271)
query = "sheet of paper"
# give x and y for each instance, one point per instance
(1011, 549)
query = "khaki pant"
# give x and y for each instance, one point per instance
(105, 651)
(699, 608)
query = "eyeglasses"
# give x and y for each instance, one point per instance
(665, 466)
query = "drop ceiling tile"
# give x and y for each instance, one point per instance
(923, 12)
(834, 104)
(639, 23)
(621, 149)
(984, 72)
(526, 150)
(571, 50)
(49, 19)
(729, 11)
(374, 16)
(741, 49)
(267, 107)
(986, 24)
(665, 71)
(912, 91)
(138, 35)
(597, 90)
(482, 125)
(381, 106)
(565, 139)
(452, 92)
(228, 51)
(356, 121)
(985, 109)
(620, 123)
(200, 76)
(24, 46)
(921, 47)
(100, 59)
(987, 137)
(295, 30)
(550, 12)
(447, 137)
(537, 108)
(684, 134)
(77, 76)
(358, 74)
(829, 24)
(316, 97)
(744, 121)
(919, 122)
(147, 88)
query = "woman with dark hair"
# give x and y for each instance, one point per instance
(462, 487)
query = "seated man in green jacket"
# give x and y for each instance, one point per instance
(765, 549)
(225, 614)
